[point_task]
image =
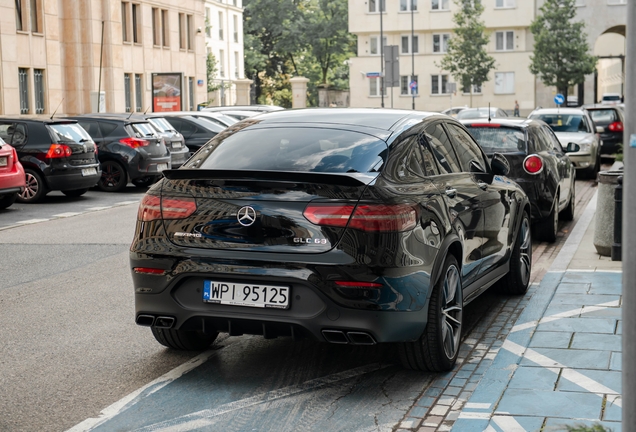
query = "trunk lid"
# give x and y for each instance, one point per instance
(71, 134)
(145, 131)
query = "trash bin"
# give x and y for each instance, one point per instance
(604, 225)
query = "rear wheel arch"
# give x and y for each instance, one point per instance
(450, 246)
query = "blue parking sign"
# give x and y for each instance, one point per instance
(559, 99)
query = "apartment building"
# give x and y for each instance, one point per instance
(60, 54)
(224, 39)
(421, 30)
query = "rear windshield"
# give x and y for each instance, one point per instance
(499, 139)
(143, 129)
(295, 149)
(161, 124)
(474, 113)
(603, 117)
(563, 122)
(69, 132)
(611, 98)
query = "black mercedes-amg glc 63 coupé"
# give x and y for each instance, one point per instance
(351, 226)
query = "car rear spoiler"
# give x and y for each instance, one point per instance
(341, 179)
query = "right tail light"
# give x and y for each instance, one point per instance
(533, 164)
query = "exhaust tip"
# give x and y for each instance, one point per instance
(360, 338)
(145, 320)
(164, 322)
(335, 336)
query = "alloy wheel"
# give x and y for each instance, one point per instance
(32, 187)
(451, 311)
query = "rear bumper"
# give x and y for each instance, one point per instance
(72, 179)
(150, 167)
(610, 144)
(10, 191)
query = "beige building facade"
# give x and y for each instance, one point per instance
(54, 57)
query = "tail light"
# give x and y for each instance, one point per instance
(533, 164)
(616, 127)
(58, 151)
(134, 142)
(364, 217)
(153, 207)
(149, 270)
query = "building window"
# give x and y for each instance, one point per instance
(505, 40)
(408, 5)
(439, 84)
(374, 87)
(505, 3)
(182, 37)
(136, 27)
(191, 93)
(36, 15)
(235, 29)
(139, 99)
(440, 42)
(165, 31)
(439, 5)
(38, 84)
(374, 5)
(156, 27)
(236, 64)
(127, 95)
(20, 25)
(220, 25)
(616, 2)
(124, 21)
(408, 44)
(466, 89)
(374, 48)
(405, 85)
(221, 63)
(23, 77)
(208, 22)
(504, 82)
(189, 32)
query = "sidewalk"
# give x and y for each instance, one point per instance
(548, 360)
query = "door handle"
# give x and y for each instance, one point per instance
(482, 185)
(451, 193)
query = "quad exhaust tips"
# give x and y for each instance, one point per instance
(352, 337)
(158, 322)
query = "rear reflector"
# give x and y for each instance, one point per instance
(356, 284)
(149, 270)
(153, 207)
(366, 217)
(533, 164)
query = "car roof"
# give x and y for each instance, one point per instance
(504, 121)
(559, 111)
(259, 108)
(125, 117)
(39, 119)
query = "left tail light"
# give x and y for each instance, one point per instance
(58, 151)
(364, 217)
(153, 207)
(533, 164)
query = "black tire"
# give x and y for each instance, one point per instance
(183, 340)
(75, 192)
(437, 348)
(35, 188)
(568, 213)
(548, 228)
(517, 280)
(114, 177)
(144, 181)
(7, 200)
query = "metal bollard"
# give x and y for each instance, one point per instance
(618, 220)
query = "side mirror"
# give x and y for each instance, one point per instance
(499, 164)
(600, 129)
(573, 147)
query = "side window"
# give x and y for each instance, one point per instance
(19, 134)
(187, 129)
(552, 139)
(442, 149)
(91, 127)
(430, 169)
(6, 131)
(585, 125)
(107, 128)
(175, 122)
(467, 150)
(539, 140)
(416, 163)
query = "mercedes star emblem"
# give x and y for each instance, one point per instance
(246, 216)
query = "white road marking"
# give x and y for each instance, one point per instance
(205, 417)
(475, 405)
(474, 415)
(566, 314)
(508, 424)
(98, 208)
(123, 203)
(145, 391)
(31, 221)
(65, 215)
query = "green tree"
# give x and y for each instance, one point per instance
(212, 70)
(561, 52)
(466, 57)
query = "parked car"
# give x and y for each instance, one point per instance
(574, 125)
(611, 98)
(481, 113)
(537, 162)
(130, 150)
(56, 154)
(611, 119)
(196, 132)
(351, 226)
(454, 111)
(216, 117)
(259, 108)
(12, 177)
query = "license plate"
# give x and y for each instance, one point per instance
(239, 294)
(89, 171)
(176, 144)
(3, 161)
(161, 167)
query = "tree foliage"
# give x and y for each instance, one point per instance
(466, 57)
(561, 52)
(285, 38)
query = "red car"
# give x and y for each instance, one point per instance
(12, 178)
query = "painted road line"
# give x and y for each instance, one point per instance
(145, 391)
(553, 366)
(123, 203)
(65, 215)
(31, 221)
(475, 405)
(567, 314)
(203, 418)
(98, 208)
(508, 423)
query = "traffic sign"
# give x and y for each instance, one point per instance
(413, 85)
(559, 99)
(374, 74)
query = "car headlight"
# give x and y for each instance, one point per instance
(585, 146)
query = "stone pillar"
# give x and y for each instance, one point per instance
(243, 91)
(299, 92)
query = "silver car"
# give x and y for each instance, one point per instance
(574, 125)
